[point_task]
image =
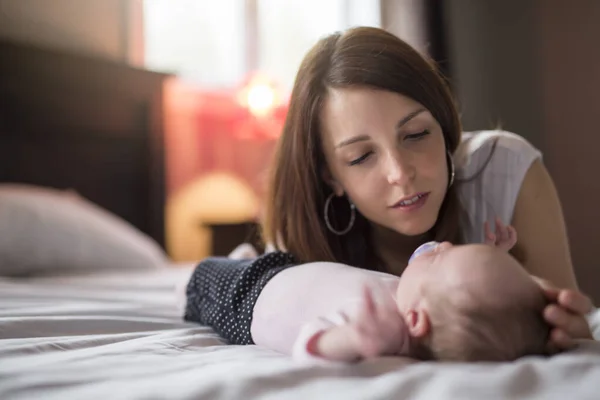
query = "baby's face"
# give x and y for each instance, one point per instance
(467, 272)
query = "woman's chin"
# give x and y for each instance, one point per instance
(414, 229)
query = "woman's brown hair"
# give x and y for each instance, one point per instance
(368, 57)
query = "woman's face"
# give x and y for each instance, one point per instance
(387, 153)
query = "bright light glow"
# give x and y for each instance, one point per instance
(260, 99)
(260, 95)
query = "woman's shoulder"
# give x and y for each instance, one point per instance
(491, 167)
(494, 147)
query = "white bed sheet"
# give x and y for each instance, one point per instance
(120, 336)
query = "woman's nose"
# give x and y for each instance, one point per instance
(399, 169)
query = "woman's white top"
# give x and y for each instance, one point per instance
(493, 193)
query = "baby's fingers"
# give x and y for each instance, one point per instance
(368, 297)
(512, 235)
(490, 238)
(501, 231)
(367, 308)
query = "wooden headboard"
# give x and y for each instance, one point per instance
(91, 125)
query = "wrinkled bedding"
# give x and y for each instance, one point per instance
(120, 336)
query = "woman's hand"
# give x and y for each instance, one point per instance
(566, 314)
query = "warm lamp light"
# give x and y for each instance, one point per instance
(260, 99)
(259, 95)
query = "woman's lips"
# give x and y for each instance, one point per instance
(411, 203)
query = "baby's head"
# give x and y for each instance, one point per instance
(472, 303)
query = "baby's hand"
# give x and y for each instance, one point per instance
(379, 328)
(504, 238)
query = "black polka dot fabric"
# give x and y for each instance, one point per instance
(222, 292)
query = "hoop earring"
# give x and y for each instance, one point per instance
(328, 223)
(450, 167)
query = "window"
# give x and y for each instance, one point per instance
(288, 29)
(209, 42)
(199, 40)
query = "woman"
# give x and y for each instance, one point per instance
(371, 164)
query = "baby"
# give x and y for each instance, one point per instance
(452, 303)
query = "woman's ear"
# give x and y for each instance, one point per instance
(331, 182)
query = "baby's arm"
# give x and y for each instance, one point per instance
(377, 329)
(504, 238)
(221, 292)
(335, 344)
(327, 339)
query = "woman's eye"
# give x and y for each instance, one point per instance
(360, 159)
(417, 136)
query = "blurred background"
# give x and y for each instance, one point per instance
(225, 69)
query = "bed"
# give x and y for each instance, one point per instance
(88, 304)
(120, 336)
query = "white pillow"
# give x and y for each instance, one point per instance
(45, 230)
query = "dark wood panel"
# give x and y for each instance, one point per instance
(94, 126)
(71, 112)
(226, 237)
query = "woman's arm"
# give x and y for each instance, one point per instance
(543, 246)
(543, 249)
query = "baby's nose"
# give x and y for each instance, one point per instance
(443, 246)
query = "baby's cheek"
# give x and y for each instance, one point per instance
(407, 295)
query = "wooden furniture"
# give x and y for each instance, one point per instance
(91, 125)
(226, 237)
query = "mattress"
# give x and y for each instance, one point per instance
(120, 335)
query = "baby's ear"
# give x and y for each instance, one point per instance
(418, 323)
